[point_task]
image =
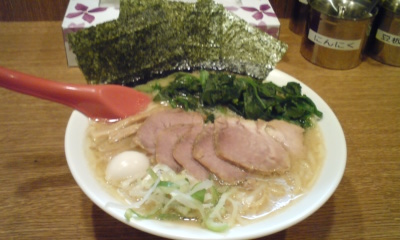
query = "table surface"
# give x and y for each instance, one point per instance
(40, 199)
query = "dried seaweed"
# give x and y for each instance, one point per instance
(155, 37)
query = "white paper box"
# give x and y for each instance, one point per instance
(85, 13)
(258, 13)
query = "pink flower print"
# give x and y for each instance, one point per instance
(76, 27)
(231, 8)
(83, 10)
(72, 28)
(259, 13)
(273, 31)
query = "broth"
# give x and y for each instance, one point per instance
(257, 197)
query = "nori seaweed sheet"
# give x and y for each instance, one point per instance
(152, 38)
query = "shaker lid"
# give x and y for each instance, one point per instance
(391, 5)
(345, 9)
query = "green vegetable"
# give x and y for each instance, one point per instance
(199, 195)
(250, 98)
(154, 37)
(130, 213)
(169, 217)
(167, 184)
(152, 174)
(216, 226)
(215, 195)
(168, 200)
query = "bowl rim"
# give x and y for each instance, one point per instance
(330, 176)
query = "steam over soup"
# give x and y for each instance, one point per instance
(211, 166)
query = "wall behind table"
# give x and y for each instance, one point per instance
(54, 10)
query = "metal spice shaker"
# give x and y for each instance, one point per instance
(297, 23)
(384, 42)
(337, 32)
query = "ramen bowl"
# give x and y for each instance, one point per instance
(326, 183)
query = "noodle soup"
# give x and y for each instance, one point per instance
(165, 194)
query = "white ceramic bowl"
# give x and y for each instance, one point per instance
(330, 176)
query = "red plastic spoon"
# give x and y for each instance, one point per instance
(95, 101)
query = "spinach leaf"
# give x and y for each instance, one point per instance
(220, 89)
(245, 96)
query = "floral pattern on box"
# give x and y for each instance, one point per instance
(87, 14)
(82, 14)
(258, 13)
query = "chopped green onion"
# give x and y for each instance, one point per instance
(131, 213)
(152, 174)
(216, 226)
(206, 184)
(176, 198)
(167, 184)
(199, 195)
(215, 195)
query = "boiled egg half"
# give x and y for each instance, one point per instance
(128, 164)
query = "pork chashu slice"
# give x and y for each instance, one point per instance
(165, 144)
(247, 144)
(183, 154)
(204, 152)
(148, 131)
(289, 135)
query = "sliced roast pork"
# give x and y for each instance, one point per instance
(289, 135)
(148, 131)
(246, 143)
(165, 144)
(204, 152)
(183, 154)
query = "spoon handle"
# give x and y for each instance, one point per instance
(67, 94)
